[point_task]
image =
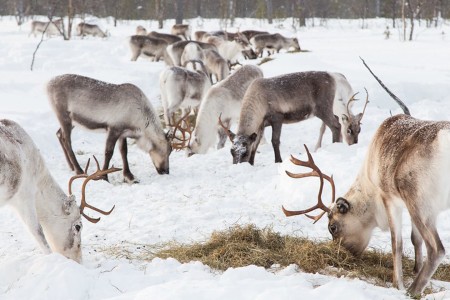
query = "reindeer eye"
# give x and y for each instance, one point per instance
(78, 228)
(349, 131)
(332, 228)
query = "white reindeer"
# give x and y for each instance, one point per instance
(230, 50)
(182, 88)
(407, 165)
(192, 52)
(122, 110)
(223, 99)
(52, 217)
(53, 28)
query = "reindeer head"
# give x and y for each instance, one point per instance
(242, 145)
(350, 124)
(64, 234)
(242, 40)
(345, 222)
(347, 228)
(295, 44)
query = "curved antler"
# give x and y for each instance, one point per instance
(183, 142)
(95, 176)
(229, 133)
(314, 173)
(352, 99)
(365, 105)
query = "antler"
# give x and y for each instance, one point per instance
(95, 176)
(227, 130)
(183, 142)
(348, 103)
(365, 105)
(314, 173)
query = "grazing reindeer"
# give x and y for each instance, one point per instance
(182, 88)
(192, 51)
(198, 35)
(149, 46)
(223, 99)
(140, 30)
(183, 30)
(251, 33)
(52, 217)
(273, 42)
(53, 28)
(84, 29)
(292, 98)
(230, 50)
(215, 64)
(121, 109)
(172, 55)
(406, 166)
(169, 38)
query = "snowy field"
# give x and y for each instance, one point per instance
(204, 193)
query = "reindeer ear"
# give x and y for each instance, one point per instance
(68, 204)
(359, 117)
(342, 205)
(344, 119)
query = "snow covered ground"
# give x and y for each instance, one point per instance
(204, 193)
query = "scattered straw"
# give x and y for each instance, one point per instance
(264, 60)
(241, 246)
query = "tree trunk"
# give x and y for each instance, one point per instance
(403, 20)
(160, 13)
(69, 19)
(269, 11)
(199, 8)
(179, 6)
(394, 12)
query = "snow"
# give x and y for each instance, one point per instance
(204, 193)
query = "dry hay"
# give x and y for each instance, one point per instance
(241, 246)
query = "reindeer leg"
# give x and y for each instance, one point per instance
(276, 133)
(66, 132)
(113, 136)
(128, 176)
(395, 224)
(323, 127)
(256, 143)
(29, 216)
(61, 141)
(417, 241)
(435, 250)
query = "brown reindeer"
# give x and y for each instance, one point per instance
(169, 38)
(273, 42)
(405, 166)
(150, 46)
(183, 30)
(293, 98)
(122, 110)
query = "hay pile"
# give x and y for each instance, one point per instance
(247, 245)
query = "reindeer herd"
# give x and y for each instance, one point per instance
(406, 164)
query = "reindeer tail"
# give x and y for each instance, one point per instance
(399, 102)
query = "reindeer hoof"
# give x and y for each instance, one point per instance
(130, 179)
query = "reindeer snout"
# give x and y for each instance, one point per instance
(162, 171)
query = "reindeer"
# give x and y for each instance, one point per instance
(52, 217)
(53, 28)
(140, 30)
(192, 51)
(149, 46)
(251, 33)
(84, 29)
(182, 88)
(405, 166)
(224, 100)
(231, 51)
(215, 64)
(292, 98)
(198, 35)
(273, 42)
(183, 30)
(121, 109)
(172, 55)
(169, 38)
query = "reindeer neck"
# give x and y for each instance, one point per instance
(254, 110)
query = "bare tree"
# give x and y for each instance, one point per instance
(179, 7)
(269, 11)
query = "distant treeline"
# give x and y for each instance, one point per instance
(429, 11)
